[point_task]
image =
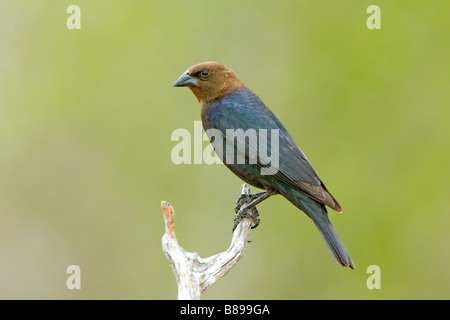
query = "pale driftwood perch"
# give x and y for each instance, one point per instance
(194, 274)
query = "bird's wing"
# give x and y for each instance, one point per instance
(249, 112)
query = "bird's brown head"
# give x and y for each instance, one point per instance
(209, 81)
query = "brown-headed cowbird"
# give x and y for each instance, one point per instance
(228, 106)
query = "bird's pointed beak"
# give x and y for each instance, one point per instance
(186, 81)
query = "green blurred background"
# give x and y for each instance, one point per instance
(86, 118)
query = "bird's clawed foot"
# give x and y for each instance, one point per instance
(246, 206)
(242, 211)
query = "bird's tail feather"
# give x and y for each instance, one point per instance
(318, 213)
(333, 242)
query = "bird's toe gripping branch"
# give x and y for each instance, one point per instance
(252, 213)
(246, 206)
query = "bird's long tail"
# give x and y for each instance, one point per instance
(318, 213)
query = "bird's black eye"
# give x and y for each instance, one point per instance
(204, 73)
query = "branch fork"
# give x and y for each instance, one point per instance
(193, 273)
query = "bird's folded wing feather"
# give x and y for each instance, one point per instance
(293, 168)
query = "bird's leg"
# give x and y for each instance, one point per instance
(246, 206)
(246, 198)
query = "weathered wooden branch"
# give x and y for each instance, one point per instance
(194, 274)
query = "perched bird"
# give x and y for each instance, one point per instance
(226, 104)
